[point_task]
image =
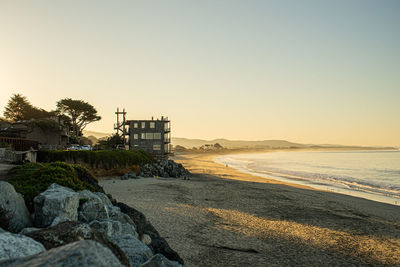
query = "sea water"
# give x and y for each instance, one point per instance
(373, 175)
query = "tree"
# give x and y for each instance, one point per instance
(19, 108)
(80, 112)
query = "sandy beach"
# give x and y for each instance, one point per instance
(222, 217)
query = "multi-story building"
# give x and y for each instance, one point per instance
(153, 136)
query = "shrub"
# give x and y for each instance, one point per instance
(107, 159)
(31, 179)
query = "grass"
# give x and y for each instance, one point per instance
(106, 159)
(31, 179)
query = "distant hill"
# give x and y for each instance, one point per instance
(189, 143)
(98, 135)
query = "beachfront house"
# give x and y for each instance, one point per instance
(153, 136)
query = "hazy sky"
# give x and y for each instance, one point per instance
(305, 71)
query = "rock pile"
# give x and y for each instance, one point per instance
(164, 168)
(78, 229)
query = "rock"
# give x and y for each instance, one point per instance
(160, 245)
(14, 216)
(1, 230)
(58, 220)
(159, 260)
(84, 253)
(69, 232)
(146, 239)
(137, 217)
(143, 226)
(56, 201)
(164, 168)
(97, 206)
(89, 196)
(15, 246)
(28, 230)
(136, 251)
(112, 228)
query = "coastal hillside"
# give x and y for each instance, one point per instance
(189, 143)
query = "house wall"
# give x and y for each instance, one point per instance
(148, 144)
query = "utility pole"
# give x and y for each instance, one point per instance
(121, 126)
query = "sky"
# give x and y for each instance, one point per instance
(320, 72)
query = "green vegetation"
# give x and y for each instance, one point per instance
(106, 159)
(31, 179)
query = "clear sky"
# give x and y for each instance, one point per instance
(305, 71)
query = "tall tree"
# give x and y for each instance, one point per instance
(19, 108)
(80, 112)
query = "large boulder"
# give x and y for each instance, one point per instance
(137, 217)
(136, 251)
(14, 216)
(84, 253)
(56, 201)
(159, 260)
(15, 246)
(69, 232)
(111, 228)
(97, 206)
(144, 228)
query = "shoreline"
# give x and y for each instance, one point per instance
(222, 217)
(325, 186)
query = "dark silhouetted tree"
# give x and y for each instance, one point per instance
(79, 112)
(19, 108)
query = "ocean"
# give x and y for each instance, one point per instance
(369, 174)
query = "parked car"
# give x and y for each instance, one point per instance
(86, 147)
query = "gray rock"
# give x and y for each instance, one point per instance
(14, 216)
(28, 230)
(89, 196)
(99, 207)
(56, 201)
(59, 219)
(113, 228)
(69, 232)
(1, 230)
(90, 211)
(146, 239)
(15, 246)
(136, 251)
(159, 260)
(82, 253)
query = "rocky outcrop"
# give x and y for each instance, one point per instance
(84, 253)
(136, 251)
(56, 201)
(14, 216)
(69, 232)
(15, 246)
(97, 207)
(112, 228)
(64, 217)
(159, 260)
(157, 243)
(164, 168)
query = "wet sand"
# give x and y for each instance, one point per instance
(222, 217)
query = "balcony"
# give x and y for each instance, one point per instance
(167, 140)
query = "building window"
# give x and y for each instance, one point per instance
(143, 136)
(143, 124)
(152, 125)
(156, 147)
(135, 136)
(157, 136)
(149, 135)
(135, 125)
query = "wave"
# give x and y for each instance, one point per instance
(372, 185)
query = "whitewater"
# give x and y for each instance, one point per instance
(369, 174)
